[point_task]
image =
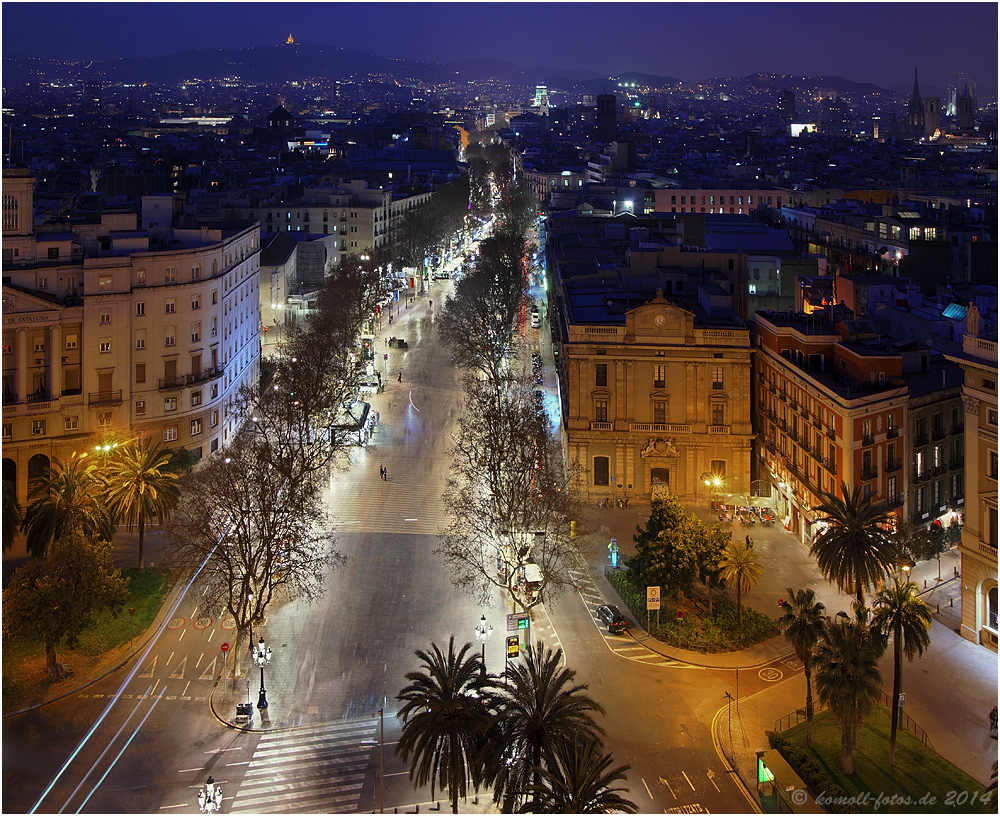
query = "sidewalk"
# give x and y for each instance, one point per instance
(952, 670)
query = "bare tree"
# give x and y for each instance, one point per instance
(266, 538)
(510, 500)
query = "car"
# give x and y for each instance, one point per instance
(612, 617)
(397, 343)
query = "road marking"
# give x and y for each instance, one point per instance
(711, 778)
(220, 750)
(185, 686)
(168, 807)
(770, 675)
(211, 635)
(401, 773)
(209, 673)
(247, 762)
(688, 780)
(410, 519)
(150, 668)
(410, 397)
(664, 781)
(169, 659)
(178, 673)
(190, 770)
(647, 788)
(196, 665)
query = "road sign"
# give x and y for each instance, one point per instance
(518, 621)
(652, 597)
(513, 646)
(225, 647)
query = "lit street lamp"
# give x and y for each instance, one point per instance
(484, 631)
(261, 657)
(210, 797)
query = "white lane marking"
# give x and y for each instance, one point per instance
(211, 635)
(711, 778)
(647, 788)
(410, 397)
(169, 659)
(190, 770)
(219, 751)
(196, 665)
(182, 635)
(245, 762)
(413, 519)
(186, 688)
(688, 780)
(665, 782)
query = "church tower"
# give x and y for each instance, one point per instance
(915, 113)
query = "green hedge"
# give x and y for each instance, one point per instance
(718, 632)
(812, 773)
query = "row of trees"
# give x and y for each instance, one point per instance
(529, 734)
(68, 524)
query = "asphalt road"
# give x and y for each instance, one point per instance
(339, 660)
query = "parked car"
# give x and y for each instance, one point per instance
(397, 343)
(612, 618)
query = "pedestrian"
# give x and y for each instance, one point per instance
(381, 472)
(385, 473)
(400, 377)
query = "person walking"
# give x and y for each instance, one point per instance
(385, 473)
(400, 377)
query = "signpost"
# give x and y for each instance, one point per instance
(513, 646)
(517, 621)
(225, 657)
(652, 602)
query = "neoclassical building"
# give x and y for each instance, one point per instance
(110, 331)
(657, 400)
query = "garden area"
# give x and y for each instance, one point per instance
(693, 562)
(99, 647)
(921, 781)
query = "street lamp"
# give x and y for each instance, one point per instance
(729, 707)
(210, 797)
(261, 657)
(905, 564)
(484, 631)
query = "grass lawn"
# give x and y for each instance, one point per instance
(919, 773)
(99, 648)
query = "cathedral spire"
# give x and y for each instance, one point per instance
(915, 113)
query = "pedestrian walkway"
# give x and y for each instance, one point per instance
(314, 769)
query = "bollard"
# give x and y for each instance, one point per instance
(938, 608)
(925, 583)
(951, 602)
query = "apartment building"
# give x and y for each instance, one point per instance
(149, 334)
(978, 549)
(734, 200)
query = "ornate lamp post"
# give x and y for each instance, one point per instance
(261, 657)
(210, 797)
(484, 631)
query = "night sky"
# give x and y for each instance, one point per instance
(866, 42)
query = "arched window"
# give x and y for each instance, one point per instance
(38, 470)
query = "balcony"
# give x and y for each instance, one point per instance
(867, 439)
(804, 411)
(895, 500)
(817, 453)
(793, 404)
(957, 463)
(600, 426)
(892, 465)
(769, 445)
(892, 433)
(772, 388)
(870, 472)
(919, 476)
(937, 433)
(718, 429)
(793, 434)
(9, 398)
(831, 433)
(772, 416)
(782, 395)
(817, 422)
(206, 374)
(830, 465)
(920, 440)
(171, 383)
(957, 428)
(38, 396)
(104, 397)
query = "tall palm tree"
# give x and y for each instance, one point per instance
(802, 621)
(581, 782)
(739, 565)
(139, 485)
(444, 717)
(848, 679)
(69, 498)
(11, 512)
(901, 613)
(537, 707)
(856, 548)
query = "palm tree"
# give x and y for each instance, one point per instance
(69, 498)
(581, 782)
(11, 512)
(901, 613)
(801, 621)
(537, 707)
(856, 549)
(139, 485)
(847, 675)
(444, 716)
(740, 566)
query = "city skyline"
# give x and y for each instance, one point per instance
(949, 44)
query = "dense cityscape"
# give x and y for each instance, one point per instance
(382, 433)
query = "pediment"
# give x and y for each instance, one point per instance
(661, 319)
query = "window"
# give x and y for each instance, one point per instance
(170, 306)
(140, 339)
(600, 410)
(140, 372)
(104, 283)
(718, 468)
(718, 414)
(936, 493)
(169, 434)
(140, 308)
(170, 404)
(890, 488)
(601, 374)
(195, 332)
(214, 420)
(195, 398)
(215, 390)
(196, 302)
(105, 345)
(920, 463)
(890, 422)
(921, 499)
(169, 337)
(71, 341)
(195, 427)
(602, 471)
(989, 385)
(660, 412)
(71, 423)
(39, 345)
(215, 296)
(7, 429)
(140, 407)
(38, 427)
(991, 416)
(717, 381)
(170, 274)
(993, 468)
(659, 376)
(43, 283)
(140, 277)
(215, 326)
(105, 318)
(104, 419)
(195, 273)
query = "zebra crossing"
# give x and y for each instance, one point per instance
(313, 769)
